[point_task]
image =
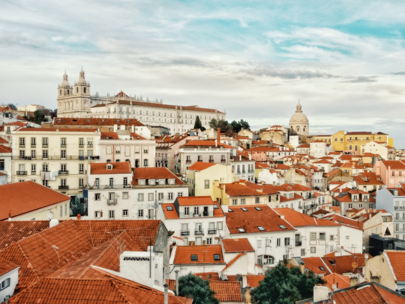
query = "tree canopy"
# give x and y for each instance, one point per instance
(239, 125)
(196, 288)
(285, 286)
(198, 124)
(12, 106)
(223, 125)
(39, 116)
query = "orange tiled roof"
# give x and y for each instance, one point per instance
(6, 266)
(200, 166)
(109, 135)
(154, 173)
(226, 291)
(137, 136)
(31, 196)
(254, 280)
(63, 121)
(238, 189)
(56, 130)
(394, 164)
(340, 281)
(195, 200)
(317, 265)
(237, 245)
(298, 219)
(13, 231)
(118, 168)
(3, 141)
(397, 261)
(343, 264)
(253, 218)
(205, 254)
(4, 149)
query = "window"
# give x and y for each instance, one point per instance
(209, 242)
(150, 197)
(286, 241)
(313, 249)
(97, 196)
(347, 237)
(180, 194)
(282, 227)
(140, 212)
(169, 208)
(259, 243)
(140, 197)
(241, 230)
(234, 201)
(111, 214)
(257, 200)
(322, 236)
(243, 201)
(258, 209)
(303, 252)
(216, 256)
(60, 211)
(125, 212)
(219, 225)
(5, 284)
(145, 163)
(260, 228)
(206, 184)
(124, 195)
(194, 257)
(278, 242)
(81, 183)
(170, 195)
(160, 196)
(186, 210)
(313, 236)
(331, 237)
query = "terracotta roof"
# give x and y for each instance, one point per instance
(118, 168)
(6, 266)
(195, 200)
(253, 218)
(4, 149)
(317, 265)
(340, 219)
(57, 130)
(298, 219)
(397, 261)
(208, 276)
(109, 135)
(237, 245)
(254, 280)
(200, 166)
(240, 189)
(137, 136)
(304, 146)
(167, 106)
(17, 123)
(154, 173)
(205, 255)
(343, 264)
(359, 133)
(368, 178)
(231, 262)
(340, 281)
(226, 291)
(259, 165)
(13, 231)
(171, 213)
(110, 288)
(96, 121)
(206, 143)
(24, 197)
(394, 164)
(104, 256)
(3, 141)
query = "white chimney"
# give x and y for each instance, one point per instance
(53, 223)
(321, 293)
(115, 128)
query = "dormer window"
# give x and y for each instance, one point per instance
(162, 181)
(171, 181)
(141, 182)
(152, 182)
(194, 257)
(109, 167)
(282, 227)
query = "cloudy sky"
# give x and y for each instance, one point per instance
(345, 60)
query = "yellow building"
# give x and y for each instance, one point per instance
(325, 138)
(201, 177)
(246, 133)
(352, 141)
(28, 201)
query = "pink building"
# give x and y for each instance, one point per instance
(392, 172)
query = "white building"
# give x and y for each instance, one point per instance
(76, 101)
(197, 220)
(8, 279)
(117, 192)
(270, 177)
(30, 108)
(318, 148)
(5, 161)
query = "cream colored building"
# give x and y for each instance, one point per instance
(76, 101)
(30, 108)
(56, 158)
(201, 177)
(382, 149)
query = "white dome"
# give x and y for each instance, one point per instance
(299, 118)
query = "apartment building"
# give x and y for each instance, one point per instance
(356, 199)
(56, 158)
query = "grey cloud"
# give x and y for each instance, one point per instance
(399, 73)
(287, 73)
(361, 79)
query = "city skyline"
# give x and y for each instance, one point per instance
(254, 60)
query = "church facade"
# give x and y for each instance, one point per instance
(76, 101)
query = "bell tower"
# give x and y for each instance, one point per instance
(81, 92)
(65, 93)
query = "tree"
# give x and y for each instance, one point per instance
(239, 125)
(223, 125)
(213, 123)
(198, 124)
(12, 106)
(196, 288)
(285, 286)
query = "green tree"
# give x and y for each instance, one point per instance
(39, 117)
(213, 123)
(198, 124)
(12, 106)
(196, 288)
(285, 286)
(239, 125)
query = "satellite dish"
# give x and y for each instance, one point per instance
(49, 216)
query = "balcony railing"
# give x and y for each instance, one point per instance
(21, 172)
(33, 173)
(63, 172)
(115, 186)
(111, 202)
(188, 161)
(63, 187)
(185, 232)
(33, 145)
(81, 172)
(89, 145)
(308, 206)
(81, 145)
(211, 161)
(199, 232)
(22, 145)
(44, 145)
(223, 160)
(54, 157)
(63, 145)
(399, 207)
(212, 230)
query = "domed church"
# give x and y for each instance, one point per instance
(299, 122)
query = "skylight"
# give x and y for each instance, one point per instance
(244, 209)
(258, 209)
(194, 257)
(321, 268)
(215, 207)
(169, 208)
(217, 257)
(241, 230)
(282, 226)
(230, 210)
(260, 228)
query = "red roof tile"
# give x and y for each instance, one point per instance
(205, 254)
(200, 166)
(340, 281)
(137, 136)
(231, 262)
(237, 245)
(13, 231)
(343, 264)
(61, 121)
(24, 197)
(298, 219)
(226, 291)
(3, 141)
(239, 189)
(154, 173)
(4, 149)
(57, 130)
(251, 219)
(109, 135)
(397, 261)
(394, 164)
(317, 265)
(117, 168)
(195, 200)
(6, 266)
(254, 280)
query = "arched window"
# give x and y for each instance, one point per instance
(68, 92)
(355, 147)
(292, 128)
(118, 150)
(350, 147)
(303, 129)
(84, 90)
(298, 128)
(127, 151)
(77, 90)
(108, 150)
(60, 92)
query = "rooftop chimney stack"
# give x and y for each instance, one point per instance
(218, 136)
(166, 301)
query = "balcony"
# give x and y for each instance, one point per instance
(44, 145)
(81, 172)
(117, 152)
(223, 160)
(114, 186)
(63, 145)
(81, 145)
(212, 231)
(33, 145)
(63, 172)
(33, 173)
(188, 161)
(185, 232)
(21, 172)
(63, 187)
(211, 161)
(399, 207)
(22, 145)
(199, 232)
(298, 243)
(89, 145)
(112, 202)
(308, 206)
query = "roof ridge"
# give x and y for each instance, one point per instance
(119, 290)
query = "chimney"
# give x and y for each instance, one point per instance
(78, 217)
(282, 217)
(53, 223)
(177, 282)
(302, 267)
(218, 136)
(321, 293)
(354, 281)
(166, 301)
(115, 128)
